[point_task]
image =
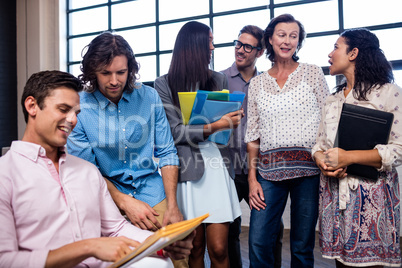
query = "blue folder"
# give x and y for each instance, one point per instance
(207, 109)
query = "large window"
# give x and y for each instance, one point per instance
(151, 26)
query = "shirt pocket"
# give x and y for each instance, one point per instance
(137, 132)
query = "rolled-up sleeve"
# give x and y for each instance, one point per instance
(165, 149)
(391, 153)
(320, 143)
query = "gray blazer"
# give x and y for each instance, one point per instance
(187, 137)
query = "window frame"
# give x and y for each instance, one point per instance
(396, 64)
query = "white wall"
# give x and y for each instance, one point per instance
(37, 43)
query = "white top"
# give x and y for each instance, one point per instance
(290, 116)
(388, 99)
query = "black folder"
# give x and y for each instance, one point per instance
(362, 128)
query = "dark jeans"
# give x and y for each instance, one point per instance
(241, 183)
(265, 224)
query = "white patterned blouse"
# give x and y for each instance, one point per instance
(286, 120)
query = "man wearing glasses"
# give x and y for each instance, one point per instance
(248, 48)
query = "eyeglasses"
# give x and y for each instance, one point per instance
(248, 48)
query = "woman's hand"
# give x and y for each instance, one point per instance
(329, 171)
(256, 195)
(232, 119)
(228, 121)
(336, 158)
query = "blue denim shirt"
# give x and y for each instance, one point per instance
(121, 140)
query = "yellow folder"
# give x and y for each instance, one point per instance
(160, 239)
(186, 100)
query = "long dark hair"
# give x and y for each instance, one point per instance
(372, 68)
(101, 52)
(269, 31)
(189, 67)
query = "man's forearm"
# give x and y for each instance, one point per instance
(69, 255)
(170, 178)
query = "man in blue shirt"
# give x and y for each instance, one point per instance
(248, 48)
(122, 127)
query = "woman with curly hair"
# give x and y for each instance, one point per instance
(359, 218)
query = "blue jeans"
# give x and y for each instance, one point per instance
(265, 224)
(235, 260)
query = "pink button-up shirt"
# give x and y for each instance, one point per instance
(42, 209)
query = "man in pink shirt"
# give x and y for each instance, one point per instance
(55, 209)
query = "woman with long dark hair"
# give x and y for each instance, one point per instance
(360, 218)
(206, 174)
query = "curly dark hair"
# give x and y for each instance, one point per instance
(269, 31)
(372, 68)
(40, 85)
(100, 53)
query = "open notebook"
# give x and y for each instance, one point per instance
(160, 239)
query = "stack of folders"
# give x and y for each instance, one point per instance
(362, 128)
(205, 107)
(160, 239)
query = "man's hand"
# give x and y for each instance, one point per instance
(172, 215)
(170, 176)
(140, 214)
(180, 249)
(104, 248)
(112, 248)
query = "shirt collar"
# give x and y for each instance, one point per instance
(33, 151)
(233, 71)
(126, 95)
(104, 102)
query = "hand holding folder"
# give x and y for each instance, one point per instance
(160, 239)
(210, 106)
(362, 128)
